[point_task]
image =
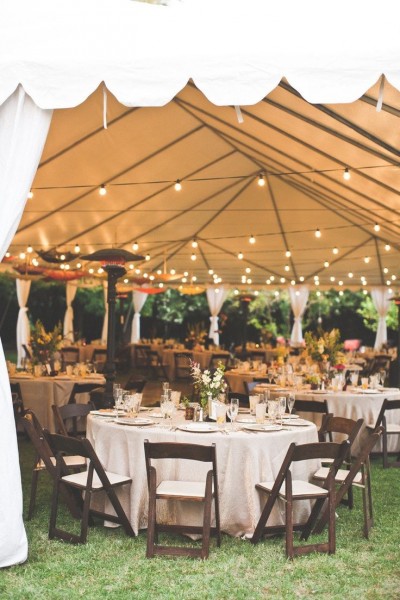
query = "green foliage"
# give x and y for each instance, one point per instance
(370, 315)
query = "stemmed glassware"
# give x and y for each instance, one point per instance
(233, 410)
(382, 377)
(281, 408)
(118, 394)
(290, 403)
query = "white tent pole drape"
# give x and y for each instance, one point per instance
(138, 300)
(298, 300)
(23, 131)
(380, 298)
(70, 293)
(23, 329)
(105, 320)
(215, 298)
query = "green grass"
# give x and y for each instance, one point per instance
(111, 565)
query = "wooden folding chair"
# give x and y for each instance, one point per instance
(46, 461)
(135, 385)
(156, 367)
(193, 491)
(288, 490)
(69, 355)
(344, 426)
(182, 365)
(99, 359)
(243, 399)
(388, 429)
(94, 479)
(81, 388)
(218, 358)
(359, 475)
(66, 418)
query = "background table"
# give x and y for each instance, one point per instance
(39, 393)
(243, 459)
(202, 357)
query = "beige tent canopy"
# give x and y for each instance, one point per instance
(302, 152)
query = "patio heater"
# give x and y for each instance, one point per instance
(112, 260)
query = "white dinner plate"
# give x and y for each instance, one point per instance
(138, 421)
(245, 420)
(264, 428)
(197, 428)
(368, 392)
(106, 412)
(299, 423)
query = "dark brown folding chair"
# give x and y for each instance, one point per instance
(157, 369)
(67, 417)
(45, 461)
(194, 491)
(343, 426)
(311, 406)
(17, 401)
(69, 356)
(288, 490)
(182, 365)
(140, 354)
(388, 429)
(218, 358)
(99, 359)
(94, 479)
(243, 399)
(81, 388)
(359, 475)
(135, 385)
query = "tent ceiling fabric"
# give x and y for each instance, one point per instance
(302, 148)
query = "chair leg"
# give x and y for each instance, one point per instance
(32, 500)
(332, 521)
(85, 516)
(217, 518)
(205, 547)
(289, 527)
(123, 519)
(259, 530)
(312, 519)
(54, 509)
(384, 451)
(367, 503)
(151, 526)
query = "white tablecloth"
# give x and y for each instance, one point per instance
(202, 357)
(236, 379)
(39, 393)
(243, 460)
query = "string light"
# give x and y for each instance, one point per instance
(35, 262)
(335, 250)
(340, 282)
(210, 271)
(301, 278)
(332, 278)
(77, 248)
(236, 292)
(145, 275)
(137, 271)
(276, 294)
(135, 246)
(22, 255)
(268, 281)
(193, 257)
(186, 274)
(91, 270)
(131, 267)
(159, 272)
(326, 264)
(317, 233)
(287, 268)
(346, 174)
(151, 277)
(78, 266)
(293, 282)
(172, 272)
(249, 281)
(282, 280)
(240, 256)
(387, 247)
(194, 244)
(386, 270)
(261, 180)
(377, 227)
(248, 270)
(194, 278)
(394, 277)
(161, 285)
(62, 256)
(102, 190)
(29, 249)
(147, 257)
(252, 239)
(100, 270)
(288, 254)
(367, 259)
(272, 277)
(243, 278)
(178, 185)
(350, 275)
(30, 195)
(8, 255)
(184, 280)
(365, 292)
(126, 280)
(341, 292)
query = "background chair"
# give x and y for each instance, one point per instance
(182, 365)
(99, 359)
(157, 369)
(217, 358)
(243, 399)
(94, 479)
(388, 429)
(287, 489)
(69, 356)
(17, 401)
(45, 461)
(135, 385)
(194, 491)
(67, 417)
(81, 388)
(140, 355)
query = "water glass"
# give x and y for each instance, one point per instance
(273, 409)
(253, 400)
(260, 412)
(354, 379)
(281, 407)
(233, 410)
(221, 409)
(364, 383)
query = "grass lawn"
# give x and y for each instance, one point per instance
(111, 565)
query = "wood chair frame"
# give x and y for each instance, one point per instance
(182, 365)
(72, 412)
(155, 365)
(319, 450)
(195, 452)
(63, 446)
(381, 421)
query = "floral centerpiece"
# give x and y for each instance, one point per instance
(44, 343)
(208, 384)
(325, 348)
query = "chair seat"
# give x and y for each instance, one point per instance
(70, 461)
(340, 475)
(80, 479)
(300, 489)
(181, 489)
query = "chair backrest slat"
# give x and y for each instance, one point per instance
(179, 450)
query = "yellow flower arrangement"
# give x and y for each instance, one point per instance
(324, 348)
(44, 343)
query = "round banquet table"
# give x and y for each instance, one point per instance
(39, 393)
(243, 459)
(236, 379)
(354, 404)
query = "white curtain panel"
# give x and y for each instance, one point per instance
(105, 320)
(298, 300)
(23, 329)
(380, 298)
(138, 300)
(215, 298)
(23, 131)
(68, 329)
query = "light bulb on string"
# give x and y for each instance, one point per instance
(252, 239)
(335, 250)
(240, 256)
(377, 227)
(301, 278)
(346, 174)
(367, 259)
(210, 271)
(29, 249)
(387, 247)
(326, 264)
(261, 180)
(193, 257)
(248, 270)
(102, 190)
(135, 246)
(287, 268)
(148, 257)
(288, 254)
(178, 185)
(194, 243)
(77, 248)
(22, 255)
(317, 233)
(30, 195)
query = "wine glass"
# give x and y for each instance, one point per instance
(290, 403)
(281, 408)
(118, 394)
(382, 377)
(233, 410)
